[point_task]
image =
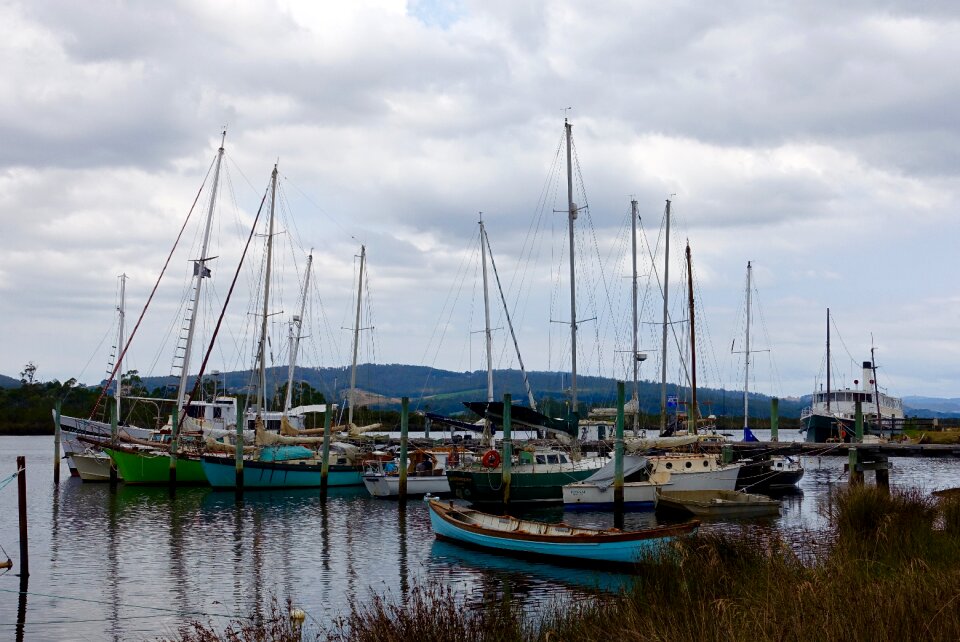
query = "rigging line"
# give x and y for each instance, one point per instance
(766, 334)
(136, 327)
(223, 311)
(325, 212)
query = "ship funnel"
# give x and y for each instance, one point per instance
(867, 376)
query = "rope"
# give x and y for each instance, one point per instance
(117, 604)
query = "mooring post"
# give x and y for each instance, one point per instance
(618, 457)
(505, 466)
(114, 420)
(774, 419)
(238, 454)
(854, 476)
(404, 427)
(56, 446)
(883, 472)
(726, 453)
(325, 453)
(22, 506)
(858, 420)
(426, 427)
(174, 429)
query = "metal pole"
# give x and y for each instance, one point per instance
(746, 364)
(404, 426)
(572, 216)
(618, 453)
(636, 346)
(325, 453)
(22, 506)
(238, 454)
(507, 447)
(663, 350)
(56, 445)
(356, 339)
(774, 419)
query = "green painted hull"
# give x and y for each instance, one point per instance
(486, 486)
(154, 468)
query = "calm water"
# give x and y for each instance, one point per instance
(134, 564)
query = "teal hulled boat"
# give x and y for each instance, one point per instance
(512, 536)
(221, 473)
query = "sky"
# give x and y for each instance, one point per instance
(816, 140)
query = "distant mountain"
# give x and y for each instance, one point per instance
(9, 382)
(444, 390)
(932, 407)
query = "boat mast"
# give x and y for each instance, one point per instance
(356, 338)
(266, 299)
(636, 347)
(746, 367)
(828, 360)
(666, 291)
(876, 388)
(295, 327)
(120, 336)
(487, 429)
(572, 215)
(693, 347)
(200, 271)
(513, 335)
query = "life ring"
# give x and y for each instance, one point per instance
(491, 459)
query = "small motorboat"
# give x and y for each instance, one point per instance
(718, 503)
(513, 536)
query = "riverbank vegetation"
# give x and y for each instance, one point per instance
(887, 568)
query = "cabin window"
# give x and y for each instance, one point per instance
(541, 459)
(273, 424)
(669, 465)
(195, 411)
(251, 424)
(563, 459)
(217, 412)
(706, 463)
(553, 459)
(689, 464)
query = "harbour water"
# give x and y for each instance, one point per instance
(137, 563)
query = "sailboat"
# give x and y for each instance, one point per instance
(538, 476)
(832, 413)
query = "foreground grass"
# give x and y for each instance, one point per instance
(889, 570)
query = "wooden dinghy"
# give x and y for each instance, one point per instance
(556, 541)
(719, 503)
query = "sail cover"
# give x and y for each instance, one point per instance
(523, 417)
(603, 478)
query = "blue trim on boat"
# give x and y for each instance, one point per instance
(596, 506)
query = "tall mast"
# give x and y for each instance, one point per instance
(486, 312)
(636, 346)
(121, 314)
(200, 271)
(666, 293)
(266, 298)
(693, 347)
(746, 368)
(876, 386)
(572, 215)
(295, 327)
(356, 338)
(828, 360)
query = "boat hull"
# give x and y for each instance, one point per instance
(759, 476)
(619, 548)
(719, 479)
(153, 468)
(94, 467)
(485, 486)
(389, 485)
(637, 496)
(720, 504)
(221, 472)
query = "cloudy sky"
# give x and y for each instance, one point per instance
(818, 140)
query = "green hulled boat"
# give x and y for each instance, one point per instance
(153, 467)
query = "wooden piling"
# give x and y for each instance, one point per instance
(56, 446)
(238, 455)
(854, 476)
(22, 509)
(174, 429)
(113, 442)
(774, 419)
(618, 453)
(507, 445)
(404, 427)
(858, 420)
(325, 453)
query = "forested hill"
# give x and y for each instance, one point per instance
(444, 391)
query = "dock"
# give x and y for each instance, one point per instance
(812, 449)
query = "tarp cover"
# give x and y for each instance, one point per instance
(285, 453)
(524, 417)
(604, 477)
